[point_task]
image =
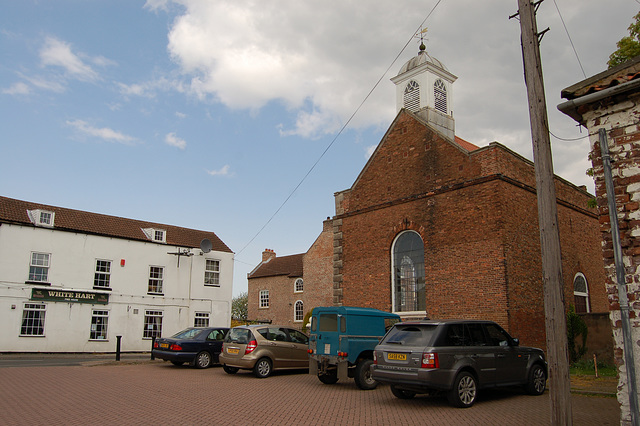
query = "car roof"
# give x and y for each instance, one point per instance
(446, 321)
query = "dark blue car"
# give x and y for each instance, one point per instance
(200, 347)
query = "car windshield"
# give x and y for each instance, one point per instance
(238, 335)
(189, 333)
(410, 335)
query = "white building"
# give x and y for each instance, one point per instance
(71, 281)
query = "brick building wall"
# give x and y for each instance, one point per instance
(278, 275)
(477, 216)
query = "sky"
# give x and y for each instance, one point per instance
(244, 117)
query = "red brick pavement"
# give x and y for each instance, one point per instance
(154, 392)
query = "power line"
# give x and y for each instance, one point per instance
(570, 41)
(339, 132)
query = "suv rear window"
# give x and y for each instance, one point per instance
(411, 335)
(238, 335)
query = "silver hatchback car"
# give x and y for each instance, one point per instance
(264, 348)
(456, 357)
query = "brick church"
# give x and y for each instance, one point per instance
(436, 226)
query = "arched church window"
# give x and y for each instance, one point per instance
(440, 96)
(408, 273)
(412, 96)
(581, 294)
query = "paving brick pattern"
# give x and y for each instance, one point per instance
(155, 392)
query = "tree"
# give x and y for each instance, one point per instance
(240, 306)
(628, 47)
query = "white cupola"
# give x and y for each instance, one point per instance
(424, 87)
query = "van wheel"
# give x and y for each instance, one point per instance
(363, 375)
(329, 378)
(464, 391)
(262, 368)
(537, 381)
(401, 393)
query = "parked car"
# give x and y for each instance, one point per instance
(200, 347)
(455, 357)
(263, 349)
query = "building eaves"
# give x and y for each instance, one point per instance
(15, 212)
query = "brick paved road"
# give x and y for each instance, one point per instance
(155, 392)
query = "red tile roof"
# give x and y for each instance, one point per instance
(15, 211)
(466, 145)
(284, 265)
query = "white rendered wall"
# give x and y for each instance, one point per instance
(72, 267)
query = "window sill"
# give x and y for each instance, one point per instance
(31, 335)
(37, 282)
(155, 294)
(102, 288)
(212, 285)
(98, 340)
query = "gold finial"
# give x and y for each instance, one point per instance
(420, 35)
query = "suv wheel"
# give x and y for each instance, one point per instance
(262, 368)
(203, 360)
(537, 381)
(464, 391)
(401, 393)
(363, 375)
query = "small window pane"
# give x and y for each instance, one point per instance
(33, 320)
(155, 279)
(102, 275)
(212, 272)
(152, 324)
(201, 319)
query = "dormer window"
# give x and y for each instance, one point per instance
(157, 235)
(440, 96)
(412, 96)
(41, 217)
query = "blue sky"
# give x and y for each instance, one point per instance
(208, 114)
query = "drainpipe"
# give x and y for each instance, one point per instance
(620, 277)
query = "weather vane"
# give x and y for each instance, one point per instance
(420, 35)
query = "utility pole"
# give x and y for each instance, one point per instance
(555, 319)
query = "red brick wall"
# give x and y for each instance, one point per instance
(477, 215)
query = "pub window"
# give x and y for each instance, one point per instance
(201, 319)
(99, 323)
(212, 273)
(155, 279)
(39, 267)
(33, 319)
(152, 324)
(102, 276)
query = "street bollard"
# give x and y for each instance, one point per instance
(153, 343)
(118, 347)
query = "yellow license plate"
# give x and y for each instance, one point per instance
(397, 357)
(164, 345)
(233, 351)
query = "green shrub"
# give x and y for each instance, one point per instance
(576, 327)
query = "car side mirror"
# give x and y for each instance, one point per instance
(516, 342)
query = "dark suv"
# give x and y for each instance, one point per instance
(457, 357)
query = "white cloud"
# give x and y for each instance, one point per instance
(181, 114)
(17, 89)
(58, 53)
(103, 133)
(224, 171)
(320, 58)
(369, 151)
(172, 140)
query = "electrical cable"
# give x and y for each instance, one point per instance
(344, 126)
(570, 41)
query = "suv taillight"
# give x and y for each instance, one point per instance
(251, 346)
(430, 360)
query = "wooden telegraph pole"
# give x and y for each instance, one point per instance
(555, 320)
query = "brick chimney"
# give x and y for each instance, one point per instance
(268, 254)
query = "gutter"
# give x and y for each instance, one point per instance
(570, 107)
